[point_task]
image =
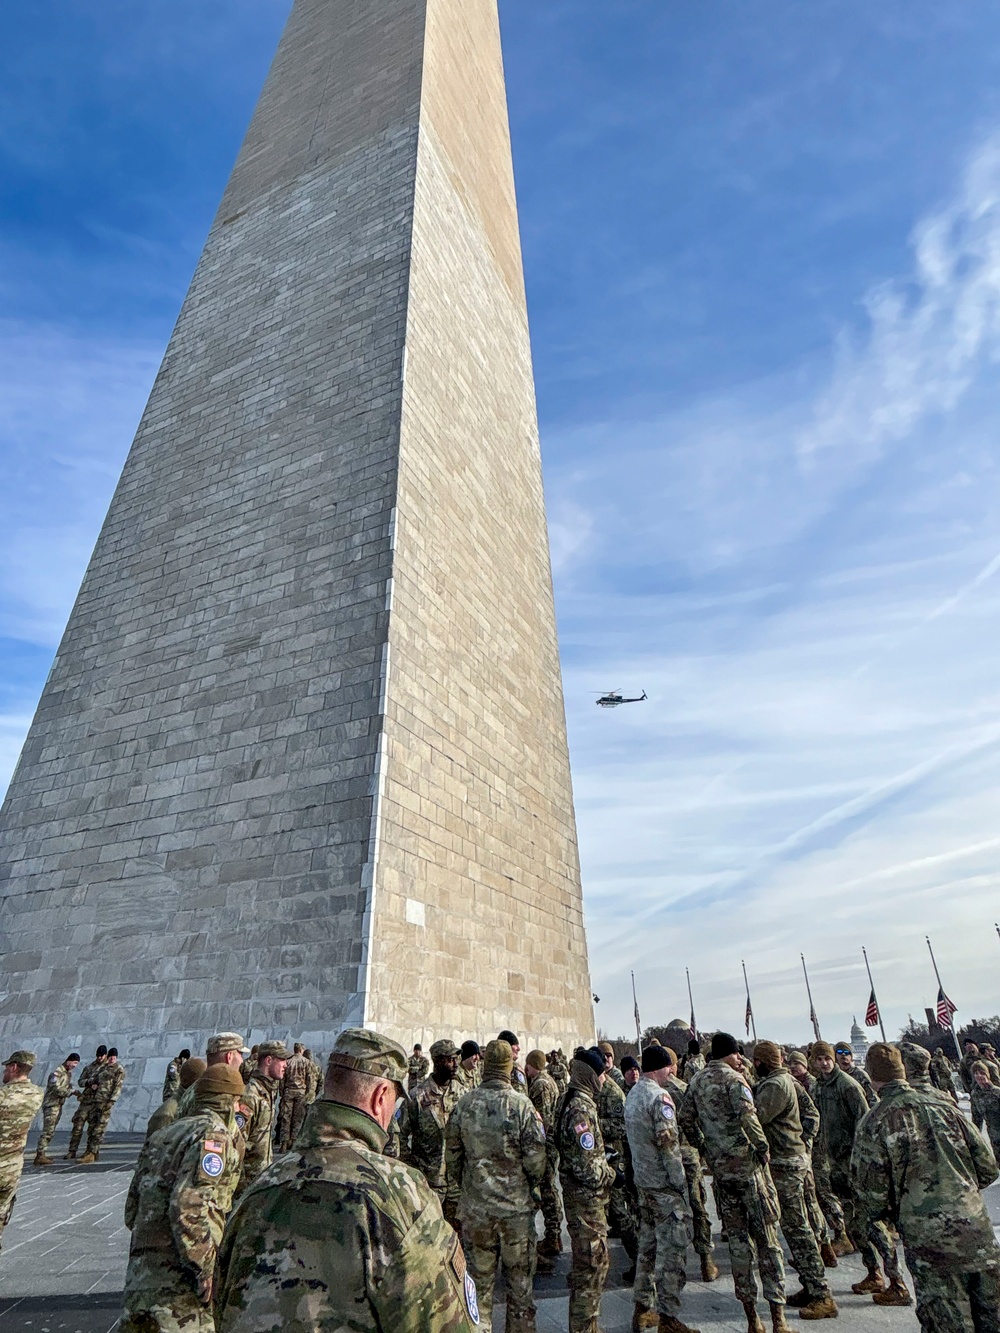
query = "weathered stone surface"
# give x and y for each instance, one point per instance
(301, 759)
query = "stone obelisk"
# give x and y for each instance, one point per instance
(301, 760)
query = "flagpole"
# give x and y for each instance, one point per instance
(753, 1021)
(878, 1007)
(954, 1030)
(635, 1009)
(694, 1025)
(812, 1010)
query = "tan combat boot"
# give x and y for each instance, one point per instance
(828, 1254)
(897, 1294)
(709, 1272)
(778, 1324)
(870, 1285)
(87, 1159)
(754, 1322)
(820, 1307)
(42, 1160)
(643, 1317)
(842, 1244)
(668, 1324)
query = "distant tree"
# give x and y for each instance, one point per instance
(981, 1030)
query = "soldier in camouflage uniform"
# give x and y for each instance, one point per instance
(719, 1118)
(559, 1070)
(315, 1078)
(518, 1080)
(842, 1107)
(917, 1062)
(989, 1059)
(425, 1121)
(256, 1110)
(417, 1069)
(19, 1103)
(631, 1072)
(496, 1158)
(828, 1216)
(610, 1068)
(337, 1235)
(620, 1210)
(294, 1087)
(176, 1209)
(58, 1087)
(110, 1078)
(169, 1111)
(694, 1060)
(845, 1061)
(651, 1124)
(469, 1074)
(919, 1166)
(778, 1112)
(942, 1075)
(544, 1097)
(809, 1120)
(87, 1087)
(172, 1078)
(701, 1222)
(586, 1177)
(985, 1098)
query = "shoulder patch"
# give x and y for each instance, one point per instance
(471, 1299)
(587, 1141)
(666, 1110)
(213, 1165)
(242, 1117)
(581, 1128)
(747, 1093)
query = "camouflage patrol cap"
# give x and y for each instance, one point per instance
(226, 1041)
(276, 1049)
(26, 1059)
(370, 1053)
(916, 1060)
(797, 1058)
(444, 1049)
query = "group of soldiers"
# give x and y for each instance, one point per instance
(395, 1197)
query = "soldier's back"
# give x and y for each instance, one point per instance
(19, 1104)
(494, 1126)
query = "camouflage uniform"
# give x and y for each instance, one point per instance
(417, 1069)
(176, 1210)
(778, 1112)
(651, 1124)
(942, 1075)
(255, 1117)
(58, 1086)
(990, 1061)
(719, 1118)
(621, 1215)
(809, 1120)
(294, 1087)
(19, 1103)
(586, 1177)
(701, 1223)
(692, 1065)
(172, 1079)
(842, 1107)
(110, 1078)
(986, 1111)
(544, 1097)
(559, 1070)
(87, 1086)
(467, 1079)
(337, 1236)
(861, 1078)
(616, 1076)
(918, 1165)
(496, 1158)
(425, 1120)
(315, 1081)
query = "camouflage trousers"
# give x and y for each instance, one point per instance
(587, 1224)
(290, 1118)
(79, 1123)
(701, 1225)
(664, 1233)
(871, 1238)
(50, 1118)
(551, 1208)
(183, 1313)
(10, 1173)
(510, 1243)
(97, 1123)
(828, 1201)
(749, 1219)
(816, 1219)
(789, 1183)
(957, 1301)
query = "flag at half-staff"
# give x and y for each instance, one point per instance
(871, 1013)
(748, 1017)
(812, 1011)
(945, 1010)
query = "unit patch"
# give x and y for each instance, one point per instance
(667, 1111)
(747, 1093)
(471, 1299)
(212, 1165)
(587, 1141)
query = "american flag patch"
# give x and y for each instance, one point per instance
(213, 1145)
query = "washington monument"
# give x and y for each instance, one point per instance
(301, 760)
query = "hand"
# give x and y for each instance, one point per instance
(206, 1285)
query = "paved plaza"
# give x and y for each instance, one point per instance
(63, 1262)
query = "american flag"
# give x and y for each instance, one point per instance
(748, 1017)
(871, 1013)
(945, 1009)
(815, 1022)
(694, 1026)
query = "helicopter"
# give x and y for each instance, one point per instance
(612, 699)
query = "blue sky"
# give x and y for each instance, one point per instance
(762, 247)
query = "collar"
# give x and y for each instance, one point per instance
(328, 1121)
(894, 1088)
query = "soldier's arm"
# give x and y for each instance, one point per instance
(582, 1154)
(687, 1118)
(978, 1117)
(871, 1172)
(768, 1100)
(808, 1115)
(854, 1100)
(983, 1162)
(454, 1152)
(534, 1153)
(407, 1130)
(741, 1101)
(196, 1216)
(667, 1140)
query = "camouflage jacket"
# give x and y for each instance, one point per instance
(467, 1079)
(496, 1153)
(653, 1136)
(337, 1236)
(315, 1082)
(693, 1064)
(172, 1079)
(296, 1080)
(942, 1075)
(164, 1115)
(808, 1114)
(615, 1074)
(255, 1112)
(778, 1112)
(842, 1106)
(423, 1127)
(920, 1165)
(611, 1113)
(109, 1084)
(583, 1166)
(678, 1091)
(986, 1110)
(719, 1118)
(177, 1203)
(418, 1069)
(559, 1070)
(87, 1080)
(544, 1096)
(861, 1078)
(19, 1103)
(58, 1086)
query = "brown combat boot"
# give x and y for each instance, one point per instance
(828, 1254)
(870, 1285)
(842, 1244)
(798, 1299)
(643, 1317)
(709, 1272)
(896, 1294)
(820, 1307)
(550, 1246)
(42, 1160)
(668, 1324)
(754, 1322)
(87, 1159)
(778, 1324)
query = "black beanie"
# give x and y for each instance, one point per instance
(102, 1050)
(629, 1062)
(469, 1048)
(723, 1044)
(509, 1037)
(694, 1047)
(113, 1051)
(655, 1057)
(73, 1055)
(591, 1057)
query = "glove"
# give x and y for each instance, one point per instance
(619, 1181)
